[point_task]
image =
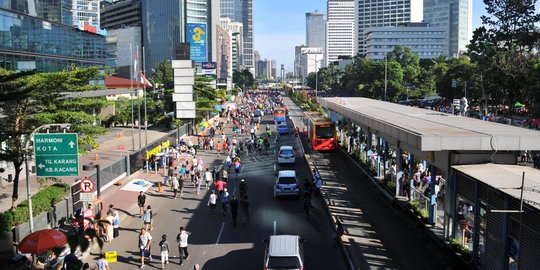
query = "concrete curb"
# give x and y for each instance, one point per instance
(344, 250)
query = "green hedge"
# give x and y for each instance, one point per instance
(41, 202)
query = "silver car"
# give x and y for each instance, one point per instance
(286, 184)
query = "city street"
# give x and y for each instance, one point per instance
(214, 242)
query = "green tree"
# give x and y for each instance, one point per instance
(205, 95)
(243, 79)
(505, 48)
(30, 99)
(164, 74)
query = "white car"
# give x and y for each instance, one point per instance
(286, 155)
(284, 252)
(286, 184)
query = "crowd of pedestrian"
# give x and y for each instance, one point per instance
(184, 169)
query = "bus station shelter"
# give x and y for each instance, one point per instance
(438, 141)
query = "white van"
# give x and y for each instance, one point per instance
(284, 252)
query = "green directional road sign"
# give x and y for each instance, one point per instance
(57, 154)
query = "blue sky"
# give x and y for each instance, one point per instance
(280, 25)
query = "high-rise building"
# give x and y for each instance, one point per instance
(163, 31)
(273, 66)
(261, 69)
(298, 61)
(426, 42)
(315, 30)
(339, 30)
(123, 20)
(43, 38)
(456, 16)
(120, 14)
(257, 57)
(119, 42)
(381, 13)
(224, 48)
(242, 11)
(235, 30)
(85, 11)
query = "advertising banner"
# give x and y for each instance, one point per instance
(198, 41)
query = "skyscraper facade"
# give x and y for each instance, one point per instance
(315, 30)
(120, 14)
(235, 30)
(85, 11)
(42, 37)
(381, 13)
(339, 29)
(242, 11)
(163, 30)
(426, 42)
(456, 17)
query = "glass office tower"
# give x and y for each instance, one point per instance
(39, 35)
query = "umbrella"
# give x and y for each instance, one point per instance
(519, 104)
(42, 241)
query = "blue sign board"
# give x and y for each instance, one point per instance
(198, 41)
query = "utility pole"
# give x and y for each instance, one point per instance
(385, 75)
(131, 96)
(144, 97)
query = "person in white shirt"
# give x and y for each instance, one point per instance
(102, 263)
(208, 178)
(212, 201)
(145, 242)
(182, 240)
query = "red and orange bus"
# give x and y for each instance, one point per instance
(306, 117)
(280, 115)
(321, 133)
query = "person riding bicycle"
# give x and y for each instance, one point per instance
(243, 188)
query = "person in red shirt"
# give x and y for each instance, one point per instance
(220, 185)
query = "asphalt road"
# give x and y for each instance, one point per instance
(214, 242)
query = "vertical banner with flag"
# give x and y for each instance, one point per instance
(197, 41)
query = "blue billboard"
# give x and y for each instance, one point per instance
(197, 40)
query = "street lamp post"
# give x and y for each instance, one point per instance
(385, 75)
(27, 167)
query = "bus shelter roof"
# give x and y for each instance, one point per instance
(428, 130)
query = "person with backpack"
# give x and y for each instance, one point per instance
(148, 218)
(164, 246)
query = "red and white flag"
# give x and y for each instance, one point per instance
(145, 81)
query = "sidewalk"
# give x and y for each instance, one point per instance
(107, 153)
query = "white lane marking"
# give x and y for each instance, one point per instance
(220, 232)
(274, 227)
